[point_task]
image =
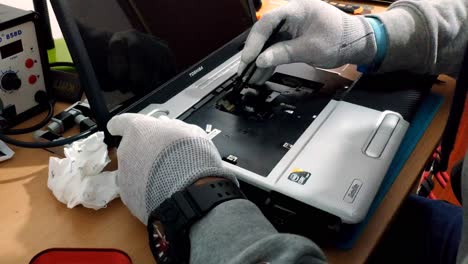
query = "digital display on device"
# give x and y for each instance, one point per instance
(135, 46)
(11, 49)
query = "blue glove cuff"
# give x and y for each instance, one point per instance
(381, 40)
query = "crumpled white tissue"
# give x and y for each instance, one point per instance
(78, 178)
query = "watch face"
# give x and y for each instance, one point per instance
(160, 244)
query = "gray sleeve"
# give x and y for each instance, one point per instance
(236, 232)
(426, 36)
(462, 256)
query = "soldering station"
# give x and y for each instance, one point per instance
(23, 83)
(307, 125)
(25, 86)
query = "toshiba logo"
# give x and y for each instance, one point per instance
(199, 69)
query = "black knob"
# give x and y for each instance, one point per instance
(10, 81)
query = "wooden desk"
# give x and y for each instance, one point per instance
(32, 219)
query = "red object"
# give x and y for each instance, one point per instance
(29, 63)
(441, 180)
(445, 175)
(32, 79)
(81, 256)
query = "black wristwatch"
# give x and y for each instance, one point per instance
(169, 224)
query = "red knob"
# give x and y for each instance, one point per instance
(29, 63)
(32, 79)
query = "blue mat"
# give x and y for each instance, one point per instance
(429, 107)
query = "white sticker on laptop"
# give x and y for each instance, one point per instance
(214, 133)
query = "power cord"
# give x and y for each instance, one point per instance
(52, 144)
(50, 113)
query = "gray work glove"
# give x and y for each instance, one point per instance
(158, 157)
(322, 36)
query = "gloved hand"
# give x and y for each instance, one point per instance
(158, 157)
(322, 36)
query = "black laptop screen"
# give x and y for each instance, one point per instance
(137, 45)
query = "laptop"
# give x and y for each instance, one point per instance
(295, 143)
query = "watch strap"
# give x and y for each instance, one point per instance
(179, 212)
(209, 195)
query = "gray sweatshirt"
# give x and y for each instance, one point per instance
(426, 36)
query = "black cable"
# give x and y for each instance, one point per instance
(61, 64)
(40, 6)
(50, 113)
(55, 143)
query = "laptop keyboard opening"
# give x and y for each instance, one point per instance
(278, 97)
(257, 130)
